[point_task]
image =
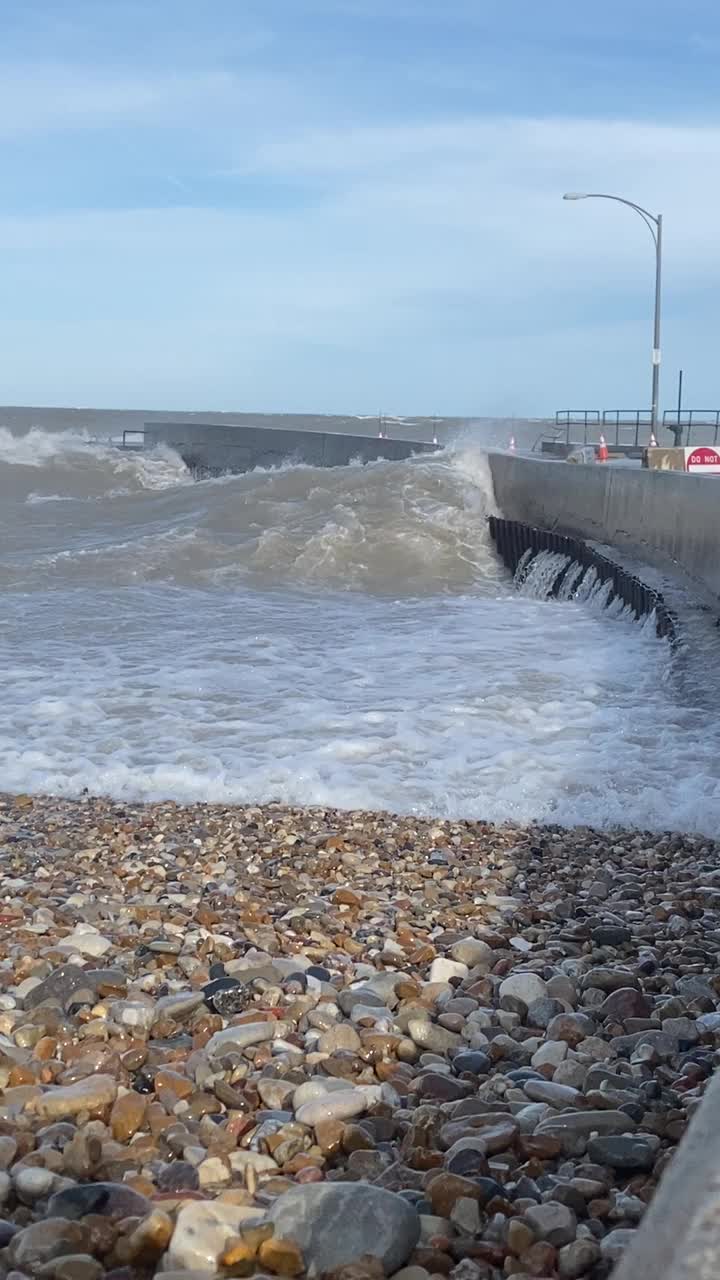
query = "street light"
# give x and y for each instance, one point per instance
(654, 225)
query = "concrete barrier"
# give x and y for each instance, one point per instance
(679, 1238)
(666, 518)
(214, 449)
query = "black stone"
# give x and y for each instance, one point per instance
(490, 1188)
(317, 971)
(295, 984)
(144, 1082)
(222, 983)
(473, 1060)
(632, 1109)
(225, 996)
(650, 1091)
(217, 970)
(178, 1176)
(230, 1001)
(513, 1004)
(563, 1193)
(610, 935)
(7, 1231)
(416, 1198)
(59, 986)
(541, 1012)
(470, 1163)
(525, 1189)
(622, 1151)
(113, 1199)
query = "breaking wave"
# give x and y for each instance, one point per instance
(344, 636)
(55, 465)
(393, 528)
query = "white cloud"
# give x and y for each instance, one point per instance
(413, 253)
(49, 98)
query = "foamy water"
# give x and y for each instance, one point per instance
(344, 637)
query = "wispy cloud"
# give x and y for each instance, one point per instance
(47, 98)
(272, 202)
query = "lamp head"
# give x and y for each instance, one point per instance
(575, 195)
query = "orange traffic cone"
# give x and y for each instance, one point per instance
(602, 452)
(653, 442)
(511, 446)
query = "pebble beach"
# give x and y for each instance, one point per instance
(287, 1042)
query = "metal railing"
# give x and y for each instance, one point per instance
(632, 428)
(133, 438)
(607, 421)
(584, 418)
(694, 420)
(627, 420)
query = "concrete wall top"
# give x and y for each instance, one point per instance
(663, 516)
(238, 448)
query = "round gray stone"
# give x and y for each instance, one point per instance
(337, 1223)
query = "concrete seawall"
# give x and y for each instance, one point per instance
(667, 519)
(209, 448)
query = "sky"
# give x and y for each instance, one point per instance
(356, 205)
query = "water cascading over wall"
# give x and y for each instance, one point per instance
(568, 562)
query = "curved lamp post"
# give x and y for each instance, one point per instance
(654, 225)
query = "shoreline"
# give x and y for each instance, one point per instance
(223, 1026)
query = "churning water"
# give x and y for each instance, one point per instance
(344, 637)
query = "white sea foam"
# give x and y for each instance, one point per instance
(60, 465)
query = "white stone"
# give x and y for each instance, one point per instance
(552, 1051)
(23, 989)
(553, 1222)
(317, 1088)
(432, 1225)
(87, 941)
(239, 1038)
(133, 1013)
(529, 1117)
(333, 1106)
(33, 1184)
(201, 1232)
(465, 1216)
(473, 952)
(556, 1095)
(523, 986)
(521, 944)
(213, 1172)
(442, 969)
(242, 1160)
(615, 1243)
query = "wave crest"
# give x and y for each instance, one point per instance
(54, 465)
(394, 528)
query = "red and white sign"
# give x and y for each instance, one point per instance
(703, 460)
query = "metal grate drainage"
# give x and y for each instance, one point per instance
(514, 540)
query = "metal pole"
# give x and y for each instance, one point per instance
(656, 328)
(654, 224)
(678, 432)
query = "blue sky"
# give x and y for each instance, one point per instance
(347, 205)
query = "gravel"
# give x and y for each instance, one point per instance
(274, 1041)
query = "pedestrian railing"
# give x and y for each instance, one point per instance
(695, 423)
(569, 418)
(633, 427)
(627, 423)
(133, 438)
